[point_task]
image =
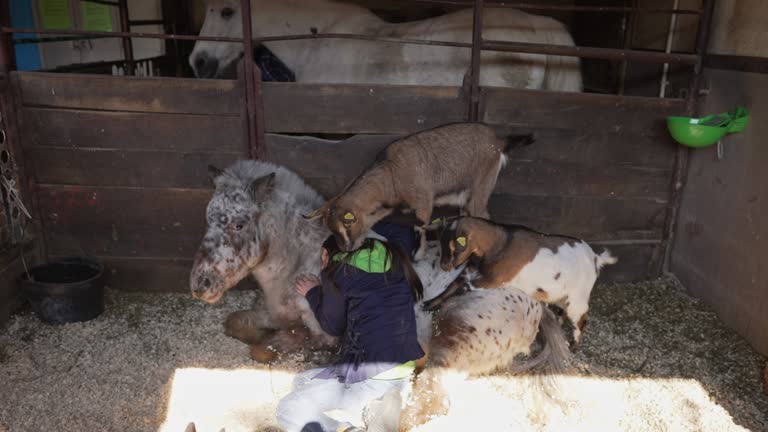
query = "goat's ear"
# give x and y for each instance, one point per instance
(214, 172)
(318, 212)
(262, 187)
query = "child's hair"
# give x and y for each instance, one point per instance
(399, 260)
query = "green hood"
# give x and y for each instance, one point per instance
(370, 260)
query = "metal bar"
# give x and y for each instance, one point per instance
(668, 49)
(127, 43)
(103, 2)
(488, 45)
(629, 32)
(534, 6)
(55, 39)
(255, 149)
(737, 63)
(681, 157)
(590, 52)
(474, 69)
(146, 22)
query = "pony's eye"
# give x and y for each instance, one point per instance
(238, 227)
(227, 13)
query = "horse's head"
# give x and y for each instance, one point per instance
(216, 59)
(234, 243)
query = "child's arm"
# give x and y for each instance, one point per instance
(401, 235)
(328, 305)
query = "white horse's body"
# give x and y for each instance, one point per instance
(369, 62)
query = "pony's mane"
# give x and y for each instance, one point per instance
(241, 173)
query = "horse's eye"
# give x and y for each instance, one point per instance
(227, 13)
(238, 227)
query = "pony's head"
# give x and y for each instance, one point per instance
(217, 59)
(235, 241)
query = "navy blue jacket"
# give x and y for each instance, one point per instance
(372, 313)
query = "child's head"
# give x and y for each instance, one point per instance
(401, 263)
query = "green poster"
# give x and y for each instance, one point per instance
(54, 14)
(96, 17)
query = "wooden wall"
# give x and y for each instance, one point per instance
(722, 230)
(120, 162)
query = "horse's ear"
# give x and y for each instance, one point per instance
(214, 172)
(262, 187)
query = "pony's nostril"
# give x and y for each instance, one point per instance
(199, 62)
(207, 283)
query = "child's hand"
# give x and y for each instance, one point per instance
(324, 258)
(306, 282)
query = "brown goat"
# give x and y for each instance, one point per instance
(456, 164)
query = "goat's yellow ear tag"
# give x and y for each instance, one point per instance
(462, 241)
(436, 221)
(349, 216)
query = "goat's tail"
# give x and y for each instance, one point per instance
(512, 142)
(554, 356)
(604, 259)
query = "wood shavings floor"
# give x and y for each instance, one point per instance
(652, 359)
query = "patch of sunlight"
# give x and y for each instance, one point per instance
(237, 400)
(245, 399)
(584, 404)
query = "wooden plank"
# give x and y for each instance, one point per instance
(120, 93)
(319, 108)
(56, 165)
(123, 130)
(579, 111)
(148, 274)
(633, 265)
(584, 217)
(329, 165)
(123, 221)
(568, 179)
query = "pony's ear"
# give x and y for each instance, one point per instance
(214, 172)
(262, 187)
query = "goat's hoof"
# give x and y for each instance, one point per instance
(430, 306)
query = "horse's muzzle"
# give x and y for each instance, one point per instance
(205, 66)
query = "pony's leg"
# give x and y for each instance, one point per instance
(248, 326)
(281, 342)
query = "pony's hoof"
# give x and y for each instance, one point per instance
(242, 326)
(263, 353)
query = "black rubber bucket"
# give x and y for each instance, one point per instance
(64, 291)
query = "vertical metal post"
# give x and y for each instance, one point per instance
(681, 159)
(252, 93)
(474, 70)
(7, 55)
(668, 49)
(629, 33)
(122, 8)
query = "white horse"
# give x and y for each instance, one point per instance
(372, 62)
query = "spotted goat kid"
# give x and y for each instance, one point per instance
(551, 268)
